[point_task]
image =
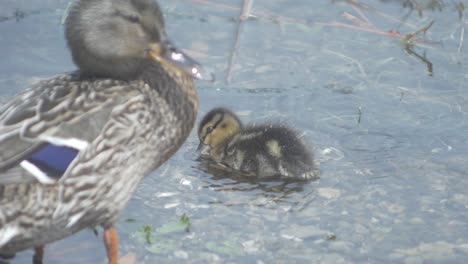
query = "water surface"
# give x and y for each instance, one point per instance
(389, 134)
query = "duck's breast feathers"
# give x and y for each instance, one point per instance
(43, 129)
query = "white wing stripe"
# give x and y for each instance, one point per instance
(36, 172)
(74, 143)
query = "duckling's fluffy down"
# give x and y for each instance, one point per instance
(270, 150)
(266, 150)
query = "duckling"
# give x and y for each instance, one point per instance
(262, 151)
(74, 147)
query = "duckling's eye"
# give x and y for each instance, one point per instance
(209, 129)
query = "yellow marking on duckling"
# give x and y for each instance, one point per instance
(225, 128)
(230, 124)
(240, 155)
(274, 148)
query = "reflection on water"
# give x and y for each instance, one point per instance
(224, 179)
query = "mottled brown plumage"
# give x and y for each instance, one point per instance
(126, 110)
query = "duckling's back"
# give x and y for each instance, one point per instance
(271, 150)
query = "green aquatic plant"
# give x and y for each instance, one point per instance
(146, 230)
(158, 240)
(185, 221)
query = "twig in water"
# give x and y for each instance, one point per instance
(416, 5)
(409, 38)
(409, 44)
(357, 21)
(462, 36)
(460, 8)
(245, 14)
(359, 115)
(364, 17)
(428, 63)
(375, 11)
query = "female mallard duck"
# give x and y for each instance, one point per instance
(74, 147)
(262, 150)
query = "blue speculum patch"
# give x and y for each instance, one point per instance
(53, 160)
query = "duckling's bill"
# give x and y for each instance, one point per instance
(168, 54)
(203, 149)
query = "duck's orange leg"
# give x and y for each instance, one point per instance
(111, 240)
(38, 254)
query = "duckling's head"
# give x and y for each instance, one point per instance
(215, 129)
(117, 38)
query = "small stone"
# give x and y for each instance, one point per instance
(252, 246)
(340, 246)
(181, 254)
(329, 193)
(394, 208)
(330, 237)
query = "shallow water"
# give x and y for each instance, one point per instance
(390, 138)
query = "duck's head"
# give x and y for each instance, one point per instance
(116, 38)
(215, 128)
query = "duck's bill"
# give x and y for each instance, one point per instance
(180, 60)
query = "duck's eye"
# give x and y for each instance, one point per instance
(209, 129)
(133, 18)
